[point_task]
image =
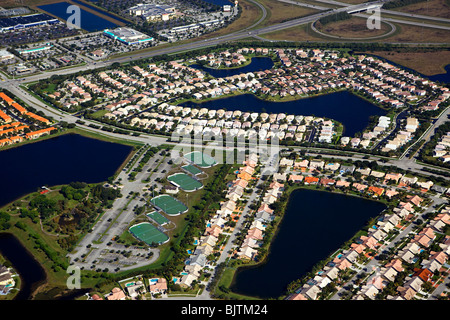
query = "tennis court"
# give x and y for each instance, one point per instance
(158, 218)
(200, 159)
(169, 205)
(185, 182)
(191, 169)
(148, 233)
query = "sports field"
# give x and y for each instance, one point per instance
(192, 169)
(156, 216)
(200, 159)
(185, 182)
(148, 233)
(169, 205)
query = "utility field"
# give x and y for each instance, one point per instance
(148, 233)
(169, 205)
(158, 218)
(200, 159)
(185, 182)
(192, 169)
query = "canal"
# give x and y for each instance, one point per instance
(31, 272)
(315, 224)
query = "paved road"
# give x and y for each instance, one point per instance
(392, 12)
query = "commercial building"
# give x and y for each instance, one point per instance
(28, 21)
(5, 55)
(127, 35)
(152, 11)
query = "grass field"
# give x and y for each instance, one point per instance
(200, 159)
(185, 182)
(169, 205)
(433, 8)
(148, 233)
(419, 34)
(192, 169)
(427, 63)
(278, 12)
(160, 219)
(355, 27)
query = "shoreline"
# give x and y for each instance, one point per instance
(277, 228)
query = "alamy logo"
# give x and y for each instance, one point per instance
(73, 282)
(374, 21)
(74, 21)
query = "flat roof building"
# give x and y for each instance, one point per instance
(127, 35)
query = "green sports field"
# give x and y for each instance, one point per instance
(185, 182)
(148, 233)
(200, 159)
(156, 216)
(169, 205)
(192, 169)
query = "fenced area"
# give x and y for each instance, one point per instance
(200, 159)
(185, 182)
(158, 218)
(169, 205)
(192, 169)
(148, 233)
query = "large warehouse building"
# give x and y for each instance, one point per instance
(127, 35)
(28, 21)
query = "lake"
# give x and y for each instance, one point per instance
(31, 272)
(220, 2)
(315, 225)
(100, 11)
(88, 21)
(442, 77)
(350, 110)
(257, 64)
(60, 160)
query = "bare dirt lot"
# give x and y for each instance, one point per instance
(352, 28)
(427, 63)
(433, 8)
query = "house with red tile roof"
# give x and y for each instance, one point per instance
(416, 200)
(376, 191)
(160, 286)
(342, 183)
(391, 193)
(296, 178)
(296, 296)
(327, 182)
(359, 187)
(116, 294)
(423, 274)
(255, 234)
(424, 240)
(311, 180)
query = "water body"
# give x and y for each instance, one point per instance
(220, 2)
(343, 106)
(100, 11)
(443, 77)
(88, 21)
(257, 64)
(56, 161)
(31, 272)
(316, 223)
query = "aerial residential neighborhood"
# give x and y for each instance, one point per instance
(224, 158)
